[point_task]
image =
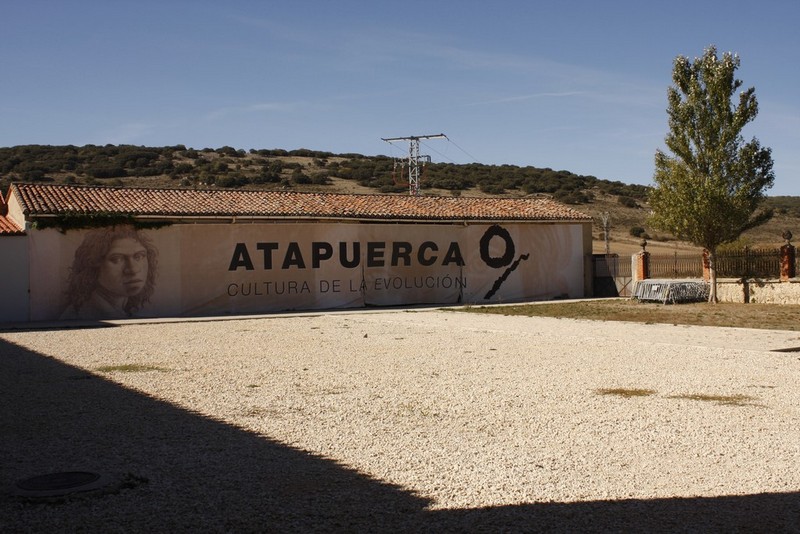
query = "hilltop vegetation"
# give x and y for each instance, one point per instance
(227, 167)
(310, 170)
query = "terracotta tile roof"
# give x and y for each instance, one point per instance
(8, 227)
(37, 199)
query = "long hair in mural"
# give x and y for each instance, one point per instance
(112, 276)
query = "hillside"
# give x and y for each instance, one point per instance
(308, 170)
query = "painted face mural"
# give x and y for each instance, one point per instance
(123, 271)
(112, 275)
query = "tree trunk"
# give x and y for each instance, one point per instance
(712, 275)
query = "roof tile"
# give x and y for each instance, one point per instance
(9, 227)
(47, 199)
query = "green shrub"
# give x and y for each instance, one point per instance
(491, 189)
(300, 178)
(571, 197)
(638, 231)
(106, 172)
(320, 178)
(226, 181)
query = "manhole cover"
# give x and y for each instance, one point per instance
(56, 484)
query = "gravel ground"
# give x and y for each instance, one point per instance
(420, 420)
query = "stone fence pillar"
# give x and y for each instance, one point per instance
(788, 256)
(641, 263)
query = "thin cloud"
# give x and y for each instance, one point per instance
(261, 107)
(371, 50)
(277, 29)
(522, 98)
(272, 106)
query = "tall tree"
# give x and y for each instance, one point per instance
(709, 189)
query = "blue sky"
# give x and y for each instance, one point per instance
(573, 85)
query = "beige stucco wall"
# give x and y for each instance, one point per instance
(588, 270)
(14, 281)
(220, 269)
(15, 212)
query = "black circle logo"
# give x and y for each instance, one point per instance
(496, 262)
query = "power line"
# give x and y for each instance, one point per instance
(414, 157)
(442, 155)
(474, 159)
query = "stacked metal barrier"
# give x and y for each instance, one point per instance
(671, 291)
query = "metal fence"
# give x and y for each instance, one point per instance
(749, 263)
(676, 265)
(743, 263)
(611, 265)
(612, 275)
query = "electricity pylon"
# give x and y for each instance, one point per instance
(414, 157)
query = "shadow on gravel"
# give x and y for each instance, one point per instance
(187, 472)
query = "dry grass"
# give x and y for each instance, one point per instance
(623, 219)
(723, 400)
(128, 368)
(625, 392)
(763, 316)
